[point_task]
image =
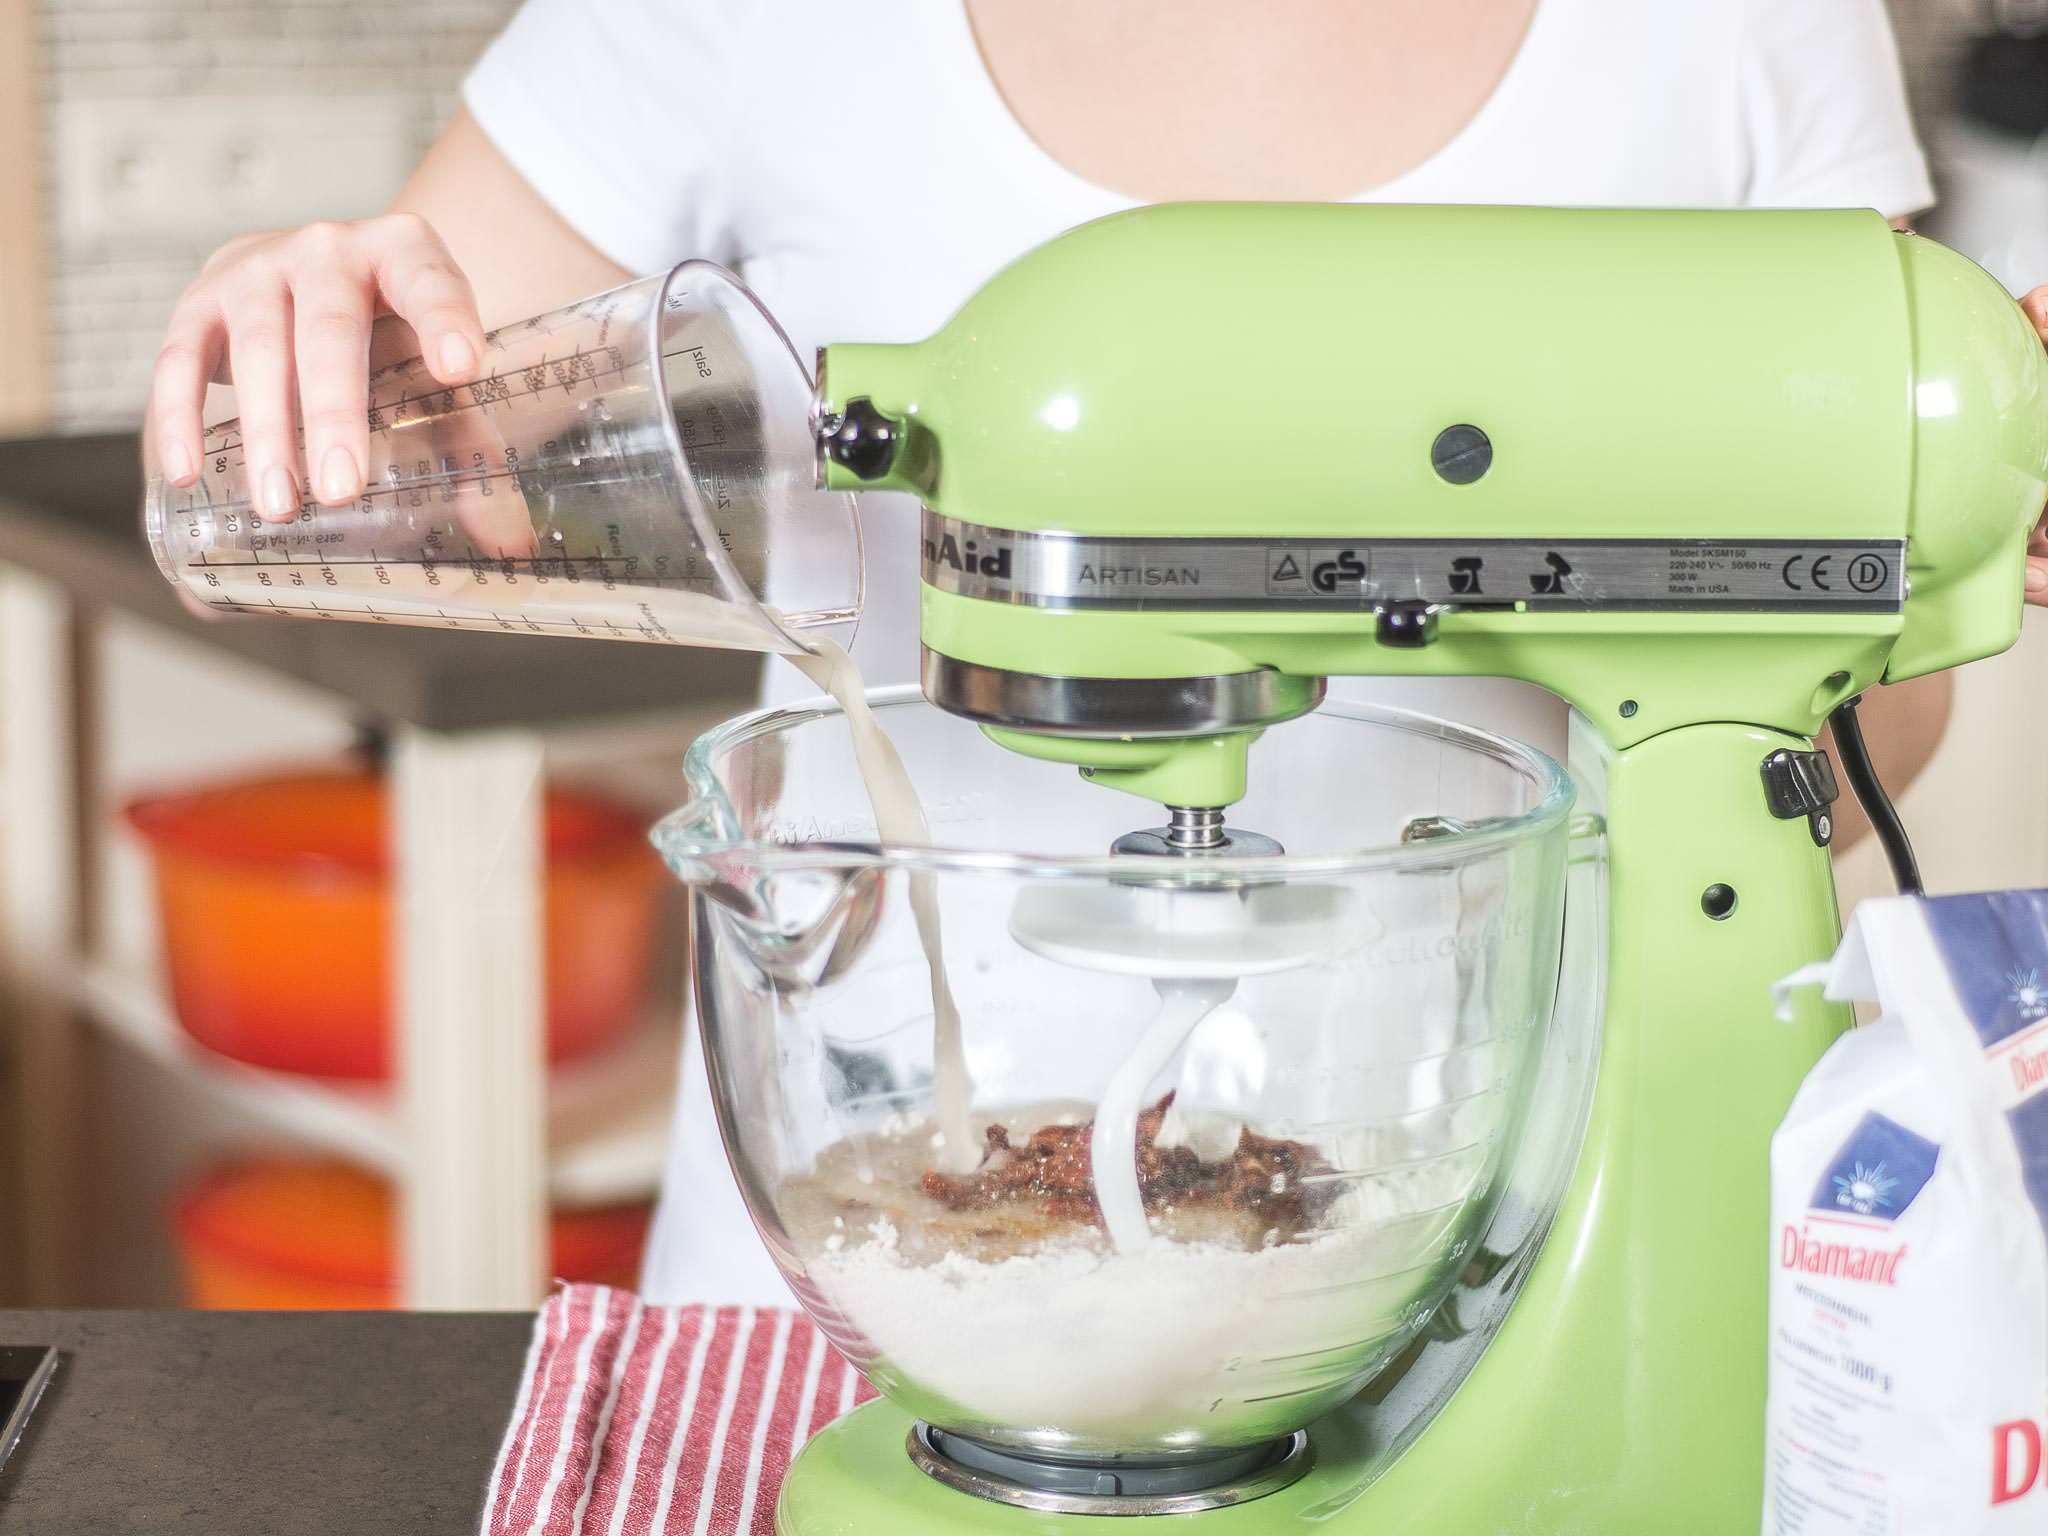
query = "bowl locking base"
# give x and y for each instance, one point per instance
(1118, 1485)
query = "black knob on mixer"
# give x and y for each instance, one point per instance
(1406, 623)
(862, 439)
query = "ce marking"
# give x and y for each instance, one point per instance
(1866, 572)
(1816, 572)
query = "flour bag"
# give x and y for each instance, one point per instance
(1909, 1265)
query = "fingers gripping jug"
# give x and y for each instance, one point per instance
(635, 466)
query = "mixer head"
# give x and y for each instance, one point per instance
(1181, 464)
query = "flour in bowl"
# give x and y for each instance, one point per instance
(1011, 1320)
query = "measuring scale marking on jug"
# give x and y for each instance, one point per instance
(635, 466)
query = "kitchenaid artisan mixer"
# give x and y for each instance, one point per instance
(1706, 476)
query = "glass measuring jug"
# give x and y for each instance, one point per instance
(636, 466)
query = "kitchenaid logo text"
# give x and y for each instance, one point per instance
(939, 810)
(1413, 948)
(1801, 1250)
(820, 829)
(968, 557)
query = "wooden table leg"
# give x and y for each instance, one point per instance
(471, 1071)
(41, 928)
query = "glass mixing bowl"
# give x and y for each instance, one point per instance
(1342, 1116)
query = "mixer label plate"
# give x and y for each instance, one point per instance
(1056, 570)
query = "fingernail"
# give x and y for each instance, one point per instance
(2037, 579)
(178, 462)
(457, 356)
(339, 477)
(280, 493)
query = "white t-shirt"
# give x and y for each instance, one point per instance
(856, 164)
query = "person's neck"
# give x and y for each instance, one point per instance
(1162, 99)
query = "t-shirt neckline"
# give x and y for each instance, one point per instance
(964, 71)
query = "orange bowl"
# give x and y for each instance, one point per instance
(275, 901)
(269, 1234)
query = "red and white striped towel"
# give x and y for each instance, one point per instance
(661, 1421)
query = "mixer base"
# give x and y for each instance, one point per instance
(856, 1477)
(1124, 1486)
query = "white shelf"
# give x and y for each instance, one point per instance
(608, 1115)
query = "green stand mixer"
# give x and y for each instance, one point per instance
(1358, 1123)
(1706, 476)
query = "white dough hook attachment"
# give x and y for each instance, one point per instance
(1195, 940)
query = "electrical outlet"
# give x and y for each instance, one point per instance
(210, 167)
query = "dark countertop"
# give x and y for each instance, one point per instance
(71, 510)
(262, 1423)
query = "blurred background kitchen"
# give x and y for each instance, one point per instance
(275, 976)
(204, 901)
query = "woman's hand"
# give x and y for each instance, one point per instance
(286, 318)
(2036, 306)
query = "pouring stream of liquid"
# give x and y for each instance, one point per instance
(899, 818)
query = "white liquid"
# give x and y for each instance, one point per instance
(899, 818)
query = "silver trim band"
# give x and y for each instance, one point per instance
(1062, 570)
(1293, 1459)
(1117, 706)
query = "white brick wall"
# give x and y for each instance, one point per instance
(109, 297)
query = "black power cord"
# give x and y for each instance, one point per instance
(1877, 805)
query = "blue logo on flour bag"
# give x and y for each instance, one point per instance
(1877, 1172)
(1995, 946)
(1846, 1234)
